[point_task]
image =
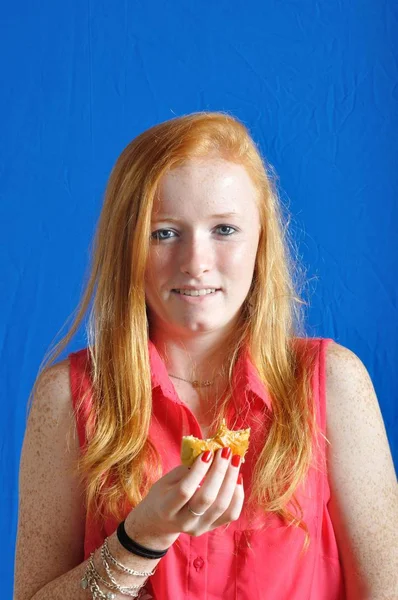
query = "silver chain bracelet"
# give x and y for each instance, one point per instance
(128, 591)
(109, 556)
(92, 577)
(89, 582)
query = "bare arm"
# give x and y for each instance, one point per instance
(51, 519)
(364, 493)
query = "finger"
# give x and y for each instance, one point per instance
(175, 475)
(226, 492)
(189, 483)
(235, 508)
(205, 496)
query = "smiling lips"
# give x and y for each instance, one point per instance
(202, 292)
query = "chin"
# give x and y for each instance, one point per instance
(196, 327)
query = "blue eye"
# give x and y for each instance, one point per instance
(160, 236)
(226, 227)
(156, 235)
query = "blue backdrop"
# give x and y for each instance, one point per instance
(315, 81)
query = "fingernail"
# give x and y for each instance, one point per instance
(240, 479)
(235, 460)
(226, 452)
(207, 456)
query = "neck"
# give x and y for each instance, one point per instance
(200, 358)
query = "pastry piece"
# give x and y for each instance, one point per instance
(237, 440)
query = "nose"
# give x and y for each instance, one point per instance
(196, 257)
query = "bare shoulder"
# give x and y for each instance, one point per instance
(364, 501)
(354, 420)
(51, 407)
(54, 379)
(51, 515)
(341, 360)
(348, 383)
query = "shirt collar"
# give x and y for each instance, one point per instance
(245, 377)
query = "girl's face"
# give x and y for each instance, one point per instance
(204, 236)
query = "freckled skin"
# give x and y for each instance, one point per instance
(363, 505)
(364, 498)
(206, 252)
(199, 254)
(51, 518)
(49, 551)
(39, 527)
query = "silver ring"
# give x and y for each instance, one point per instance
(193, 512)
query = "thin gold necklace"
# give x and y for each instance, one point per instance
(195, 383)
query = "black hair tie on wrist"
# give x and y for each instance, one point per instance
(135, 548)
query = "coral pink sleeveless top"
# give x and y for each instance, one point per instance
(240, 562)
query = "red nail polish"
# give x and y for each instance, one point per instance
(207, 456)
(240, 479)
(226, 452)
(235, 460)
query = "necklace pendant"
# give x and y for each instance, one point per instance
(84, 583)
(197, 383)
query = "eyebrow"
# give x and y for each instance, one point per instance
(173, 219)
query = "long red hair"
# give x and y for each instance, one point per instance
(120, 460)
